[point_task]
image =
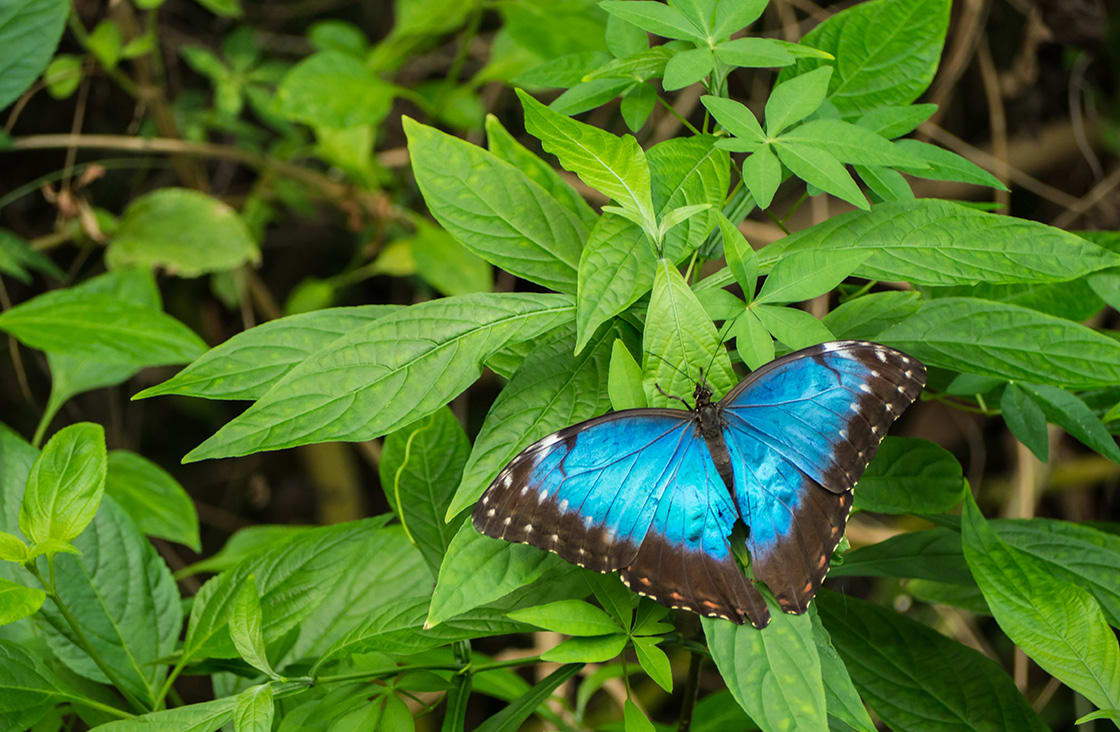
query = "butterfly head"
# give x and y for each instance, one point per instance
(702, 395)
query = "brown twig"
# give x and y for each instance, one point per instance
(997, 119)
(966, 33)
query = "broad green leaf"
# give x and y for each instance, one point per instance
(387, 374)
(202, 717)
(819, 167)
(101, 327)
(245, 627)
(495, 210)
(1058, 624)
(734, 15)
(65, 485)
(762, 174)
(936, 243)
(865, 317)
(910, 475)
(18, 601)
(965, 597)
(185, 232)
(688, 171)
(16, 256)
(942, 164)
(851, 143)
(338, 35)
(795, 328)
(642, 66)
(591, 93)
(71, 376)
(654, 661)
(752, 341)
(613, 596)
(679, 340)
(1006, 342)
(687, 67)
(736, 118)
(720, 304)
(244, 544)
(511, 718)
(294, 578)
(12, 548)
(624, 38)
(841, 698)
(254, 710)
(154, 500)
(896, 121)
(803, 276)
(29, 32)
(916, 679)
(502, 144)
(886, 183)
(421, 467)
(1066, 410)
(552, 390)
(615, 271)
(447, 265)
(624, 379)
(655, 17)
(249, 363)
(335, 90)
(587, 649)
(793, 100)
(122, 596)
(570, 617)
(934, 554)
(1026, 420)
(637, 105)
(634, 720)
(740, 255)
(1106, 286)
(774, 673)
(616, 166)
(886, 52)
(28, 688)
(754, 52)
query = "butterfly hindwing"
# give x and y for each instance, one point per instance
(634, 491)
(801, 430)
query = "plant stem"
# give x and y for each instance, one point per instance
(691, 690)
(675, 113)
(171, 676)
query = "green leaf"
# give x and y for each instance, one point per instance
(909, 475)
(12, 548)
(502, 144)
(679, 340)
(741, 257)
(942, 164)
(803, 276)
(795, 328)
(1072, 299)
(495, 210)
(865, 317)
(794, 100)
(1006, 342)
(752, 341)
(447, 265)
(735, 118)
(588, 649)
(616, 166)
(62, 75)
(720, 304)
(478, 570)
(654, 661)
(1072, 414)
(688, 171)
(774, 673)
(841, 698)
(888, 52)
(203, 717)
(251, 362)
(931, 242)
(1026, 421)
(851, 143)
(634, 720)
(687, 67)
(65, 484)
(591, 93)
(183, 231)
(332, 89)
(886, 183)
(243, 544)
(338, 35)
(624, 38)
(245, 627)
(754, 53)
(511, 718)
(254, 710)
(154, 500)
(551, 390)
(613, 596)
(570, 617)
(624, 379)
(17, 601)
(655, 17)
(916, 679)
(387, 374)
(28, 688)
(16, 256)
(29, 32)
(820, 168)
(762, 174)
(965, 597)
(896, 121)
(736, 15)
(421, 467)
(1058, 624)
(615, 271)
(120, 593)
(637, 105)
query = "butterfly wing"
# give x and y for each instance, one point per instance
(801, 430)
(634, 491)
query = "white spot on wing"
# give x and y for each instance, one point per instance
(491, 513)
(542, 495)
(528, 528)
(865, 388)
(564, 505)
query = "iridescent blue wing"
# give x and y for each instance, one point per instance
(634, 491)
(801, 430)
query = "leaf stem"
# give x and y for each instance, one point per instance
(691, 691)
(675, 113)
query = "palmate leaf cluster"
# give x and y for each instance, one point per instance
(297, 621)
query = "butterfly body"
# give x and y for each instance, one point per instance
(655, 493)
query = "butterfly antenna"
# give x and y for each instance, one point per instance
(670, 396)
(723, 333)
(672, 365)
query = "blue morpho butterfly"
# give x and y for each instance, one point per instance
(655, 493)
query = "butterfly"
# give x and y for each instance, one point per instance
(655, 493)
